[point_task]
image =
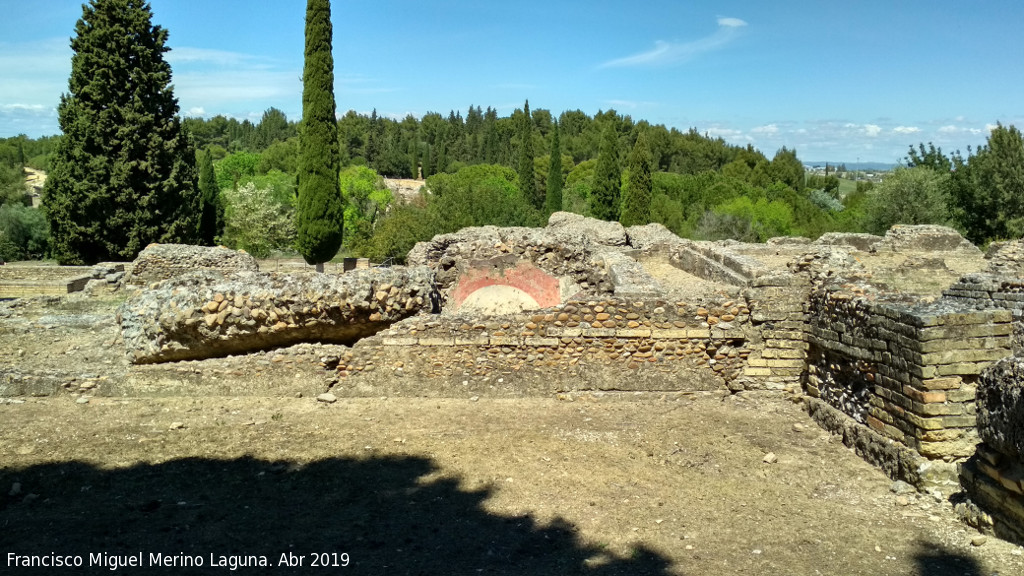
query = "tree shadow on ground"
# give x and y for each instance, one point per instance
(392, 516)
(937, 560)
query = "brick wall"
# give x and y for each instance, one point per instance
(908, 371)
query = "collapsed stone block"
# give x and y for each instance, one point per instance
(208, 314)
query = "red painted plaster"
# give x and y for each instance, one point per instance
(541, 286)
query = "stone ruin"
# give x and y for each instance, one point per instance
(903, 344)
(209, 314)
(165, 261)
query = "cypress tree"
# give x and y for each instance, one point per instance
(636, 203)
(526, 184)
(429, 158)
(554, 193)
(414, 155)
(211, 221)
(604, 195)
(124, 174)
(320, 209)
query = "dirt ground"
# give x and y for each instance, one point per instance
(588, 484)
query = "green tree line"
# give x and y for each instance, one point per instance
(128, 170)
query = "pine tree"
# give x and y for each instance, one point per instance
(211, 221)
(320, 209)
(526, 184)
(604, 195)
(636, 203)
(124, 174)
(554, 193)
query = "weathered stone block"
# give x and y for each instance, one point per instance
(963, 368)
(632, 333)
(962, 356)
(437, 341)
(950, 383)
(598, 333)
(506, 341)
(924, 396)
(671, 334)
(962, 332)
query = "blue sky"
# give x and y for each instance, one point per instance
(835, 80)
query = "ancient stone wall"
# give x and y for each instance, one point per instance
(779, 319)
(985, 290)
(908, 371)
(609, 344)
(994, 477)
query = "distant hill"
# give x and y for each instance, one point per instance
(867, 166)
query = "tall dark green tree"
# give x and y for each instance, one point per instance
(788, 169)
(605, 190)
(124, 175)
(320, 210)
(526, 183)
(553, 202)
(414, 156)
(931, 157)
(211, 220)
(636, 204)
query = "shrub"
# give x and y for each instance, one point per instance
(256, 222)
(24, 233)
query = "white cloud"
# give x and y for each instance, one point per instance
(668, 53)
(730, 134)
(197, 111)
(631, 104)
(954, 130)
(23, 107)
(767, 130)
(731, 22)
(189, 55)
(906, 129)
(872, 130)
(990, 127)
